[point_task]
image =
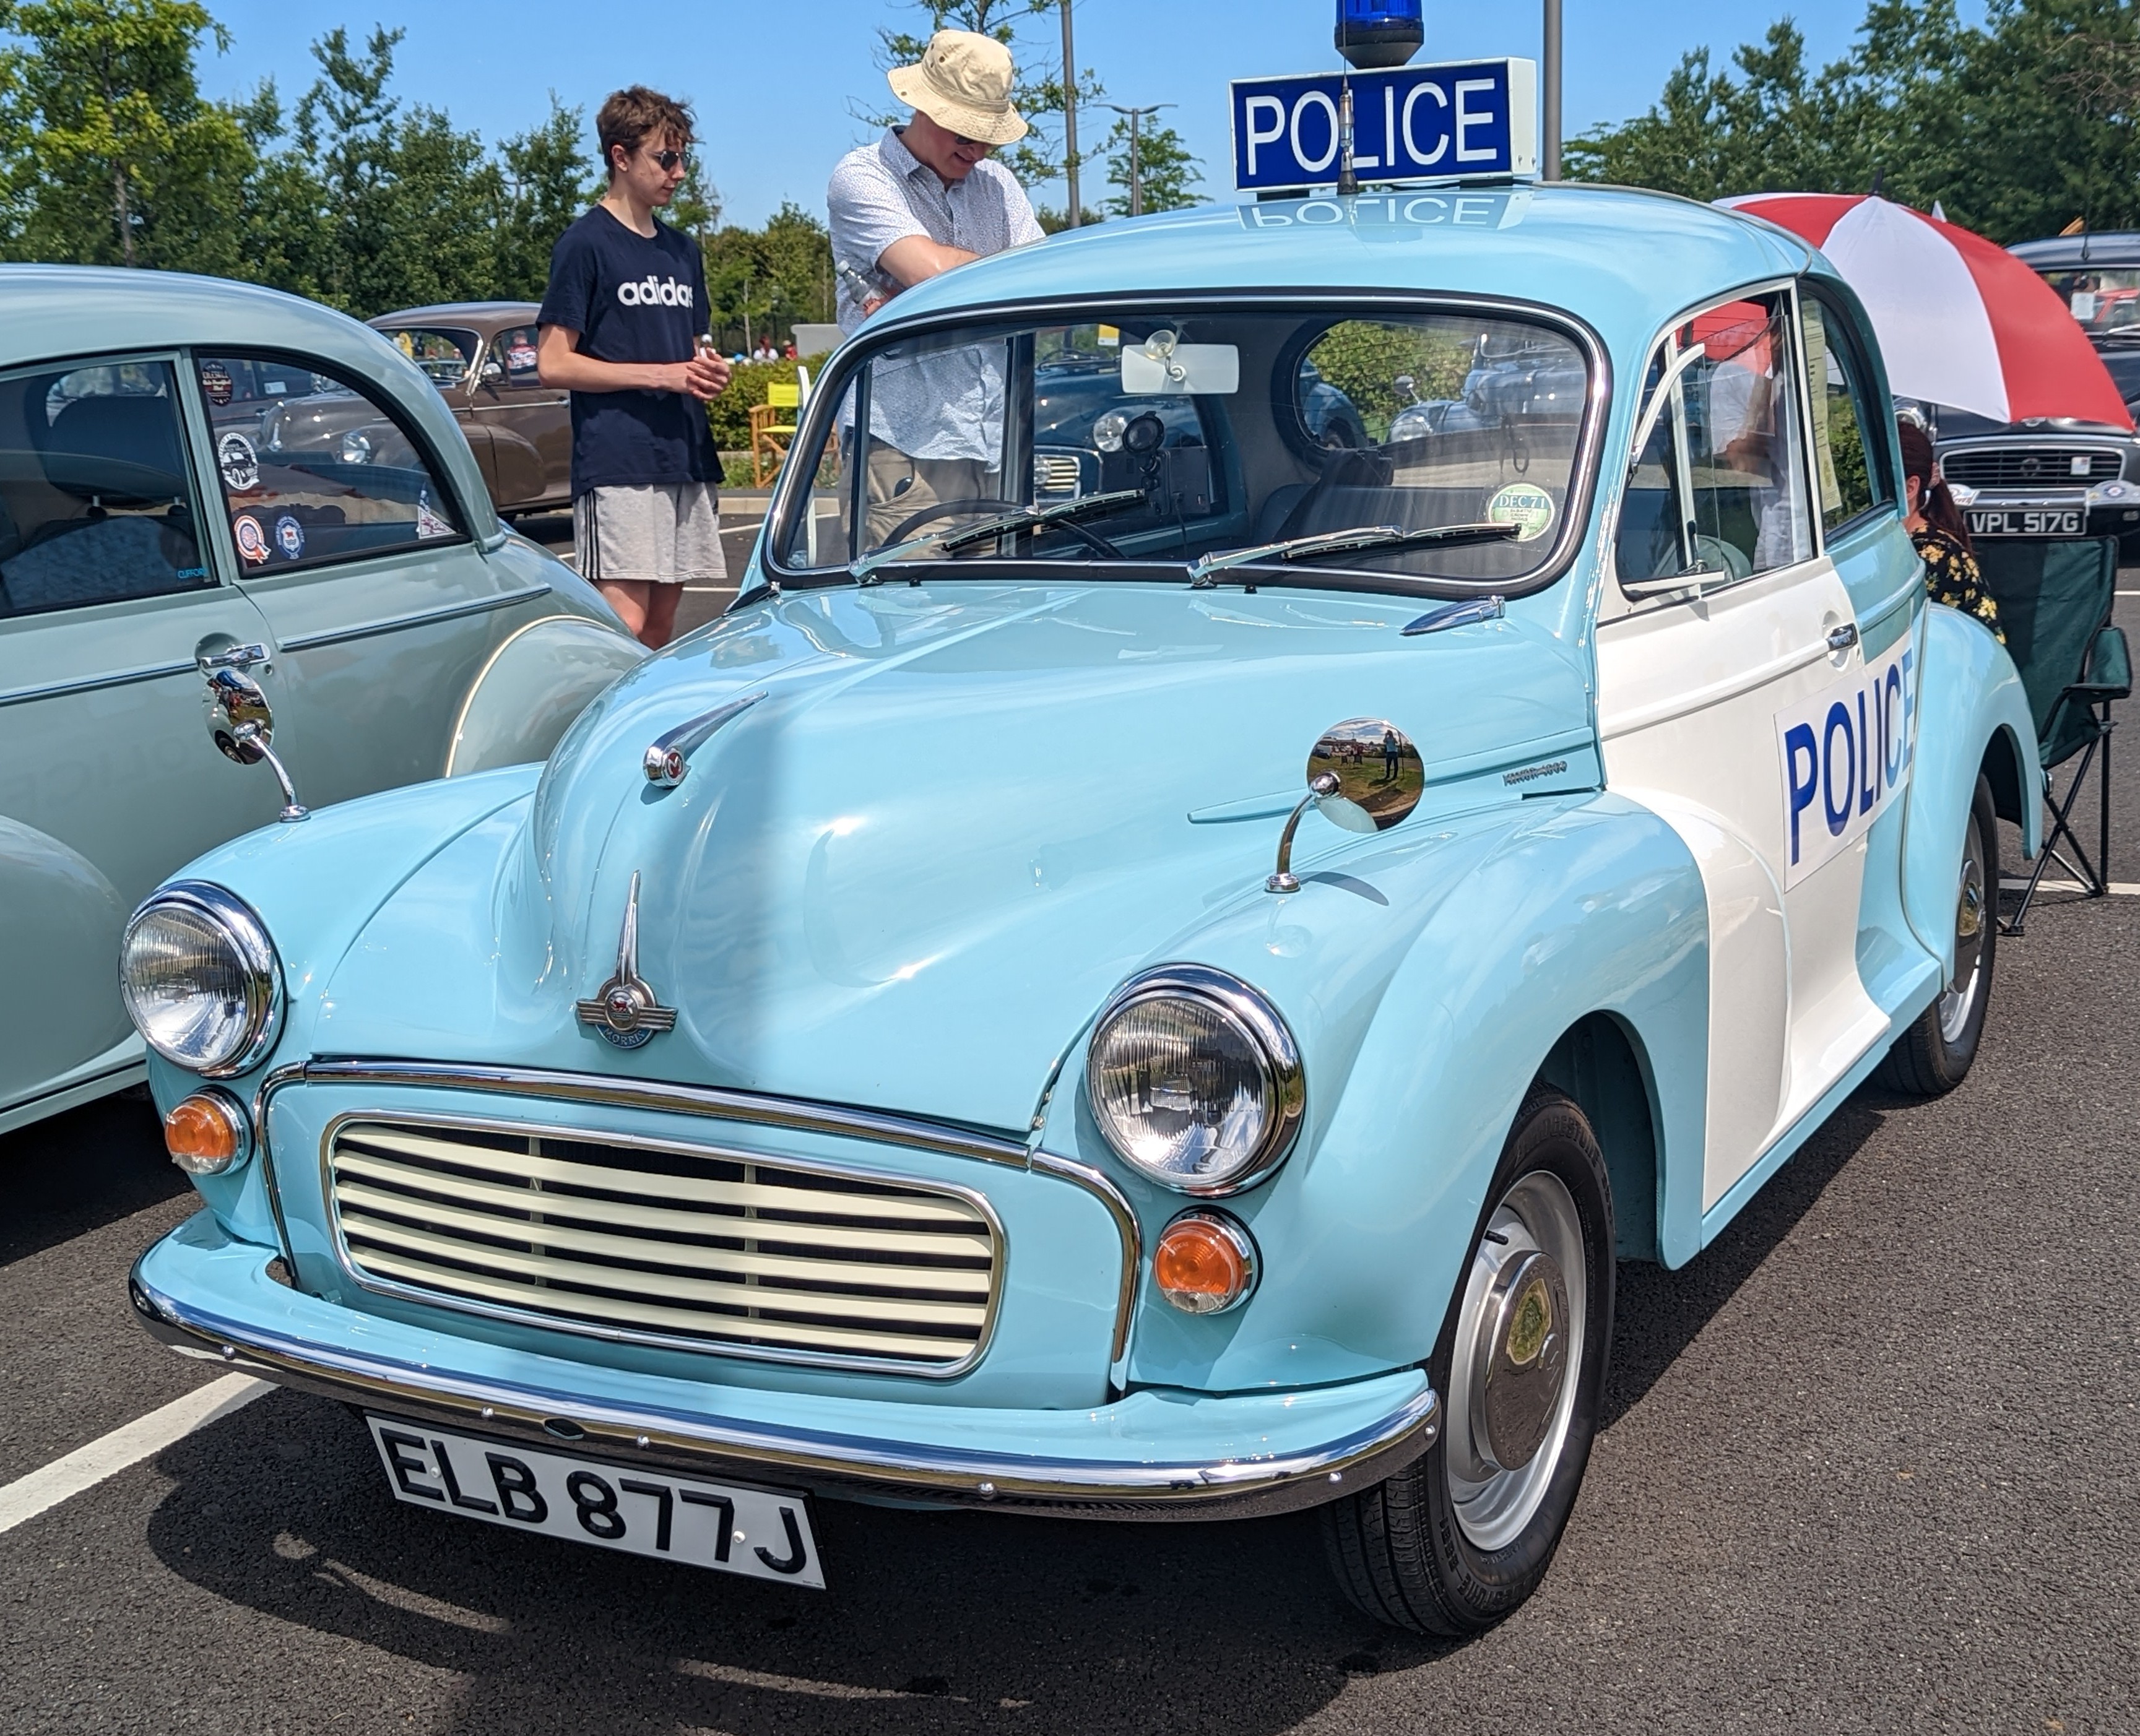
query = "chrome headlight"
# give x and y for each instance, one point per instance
(356, 447)
(1195, 1080)
(200, 978)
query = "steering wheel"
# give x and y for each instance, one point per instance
(943, 508)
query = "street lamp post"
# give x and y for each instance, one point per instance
(1070, 115)
(1550, 146)
(1136, 172)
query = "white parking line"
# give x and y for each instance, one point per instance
(2119, 888)
(86, 1467)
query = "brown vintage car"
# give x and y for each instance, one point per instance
(481, 357)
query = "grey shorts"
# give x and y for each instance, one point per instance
(666, 534)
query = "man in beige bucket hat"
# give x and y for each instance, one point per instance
(922, 198)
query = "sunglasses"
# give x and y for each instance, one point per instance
(667, 161)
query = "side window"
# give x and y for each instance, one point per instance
(514, 351)
(444, 353)
(323, 474)
(96, 504)
(1850, 477)
(1716, 490)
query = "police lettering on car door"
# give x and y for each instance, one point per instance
(1846, 750)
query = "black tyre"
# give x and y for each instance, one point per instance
(1455, 1541)
(1933, 1056)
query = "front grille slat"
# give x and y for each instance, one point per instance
(965, 1236)
(2030, 467)
(564, 1308)
(367, 1206)
(711, 1249)
(886, 1204)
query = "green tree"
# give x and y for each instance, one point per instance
(547, 185)
(1164, 170)
(109, 155)
(411, 202)
(2016, 127)
(762, 280)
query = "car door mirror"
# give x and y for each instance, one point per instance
(494, 371)
(1363, 774)
(241, 725)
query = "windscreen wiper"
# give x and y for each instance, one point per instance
(954, 537)
(1325, 544)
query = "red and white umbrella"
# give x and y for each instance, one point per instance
(1960, 320)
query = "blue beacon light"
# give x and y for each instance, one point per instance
(1377, 33)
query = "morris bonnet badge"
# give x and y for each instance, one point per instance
(624, 1009)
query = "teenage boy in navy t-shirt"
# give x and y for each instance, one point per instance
(621, 331)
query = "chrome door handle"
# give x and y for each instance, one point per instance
(232, 657)
(1842, 638)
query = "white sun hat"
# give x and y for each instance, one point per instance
(963, 84)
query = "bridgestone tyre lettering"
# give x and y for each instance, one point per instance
(1932, 1057)
(1398, 1550)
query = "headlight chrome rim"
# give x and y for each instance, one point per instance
(1267, 1031)
(241, 924)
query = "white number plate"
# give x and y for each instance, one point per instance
(2017, 521)
(763, 1532)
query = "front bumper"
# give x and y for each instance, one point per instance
(1152, 1454)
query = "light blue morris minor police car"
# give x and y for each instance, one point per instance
(1152, 987)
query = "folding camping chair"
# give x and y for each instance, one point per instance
(769, 435)
(2054, 603)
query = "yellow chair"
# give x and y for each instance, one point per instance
(770, 436)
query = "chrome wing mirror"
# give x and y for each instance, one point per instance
(1364, 775)
(242, 726)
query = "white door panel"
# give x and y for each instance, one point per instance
(1688, 698)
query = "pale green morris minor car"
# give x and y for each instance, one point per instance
(341, 621)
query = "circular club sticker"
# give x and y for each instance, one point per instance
(252, 540)
(1525, 505)
(216, 381)
(289, 537)
(240, 465)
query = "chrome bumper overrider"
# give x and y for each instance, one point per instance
(1293, 1473)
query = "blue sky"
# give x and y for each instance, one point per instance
(771, 79)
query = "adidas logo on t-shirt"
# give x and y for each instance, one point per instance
(647, 292)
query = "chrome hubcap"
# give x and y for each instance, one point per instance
(1520, 1337)
(1970, 915)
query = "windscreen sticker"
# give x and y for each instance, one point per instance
(428, 524)
(240, 465)
(1524, 504)
(1846, 750)
(216, 381)
(252, 540)
(289, 537)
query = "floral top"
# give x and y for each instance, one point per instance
(1952, 577)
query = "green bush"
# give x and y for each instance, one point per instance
(729, 413)
(1361, 357)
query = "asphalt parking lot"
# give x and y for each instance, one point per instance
(1868, 1467)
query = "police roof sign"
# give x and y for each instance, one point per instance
(1410, 122)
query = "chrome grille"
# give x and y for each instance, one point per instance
(712, 1249)
(1057, 473)
(2028, 467)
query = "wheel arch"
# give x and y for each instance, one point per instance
(1972, 719)
(1601, 1064)
(536, 681)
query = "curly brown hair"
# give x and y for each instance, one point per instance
(628, 117)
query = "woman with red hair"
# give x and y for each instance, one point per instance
(1941, 535)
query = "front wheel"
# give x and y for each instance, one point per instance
(1455, 1541)
(1934, 1055)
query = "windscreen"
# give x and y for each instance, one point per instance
(1174, 433)
(2104, 299)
